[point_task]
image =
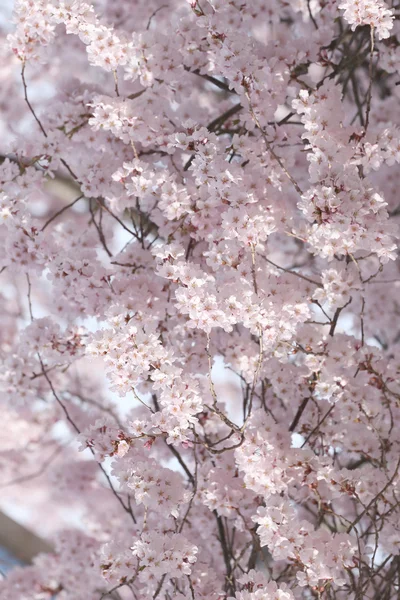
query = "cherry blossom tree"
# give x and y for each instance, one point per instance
(200, 336)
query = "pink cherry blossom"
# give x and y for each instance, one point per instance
(199, 222)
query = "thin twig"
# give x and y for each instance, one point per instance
(269, 147)
(291, 272)
(154, 14)
(366, 509)
(35, 474)
(298, 414)
(28, 102)
(318, 425)
(158, 590)
(77, 430)
(311, 15)
(60, 212)
(116, 83)
(336, 318)
(99, 230)
(370, 71)
(29, 297)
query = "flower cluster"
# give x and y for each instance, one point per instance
(171, 555)
(199, 339)
(376, 14)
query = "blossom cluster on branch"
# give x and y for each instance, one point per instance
(199, 222)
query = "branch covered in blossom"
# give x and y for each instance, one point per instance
(200, 297)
